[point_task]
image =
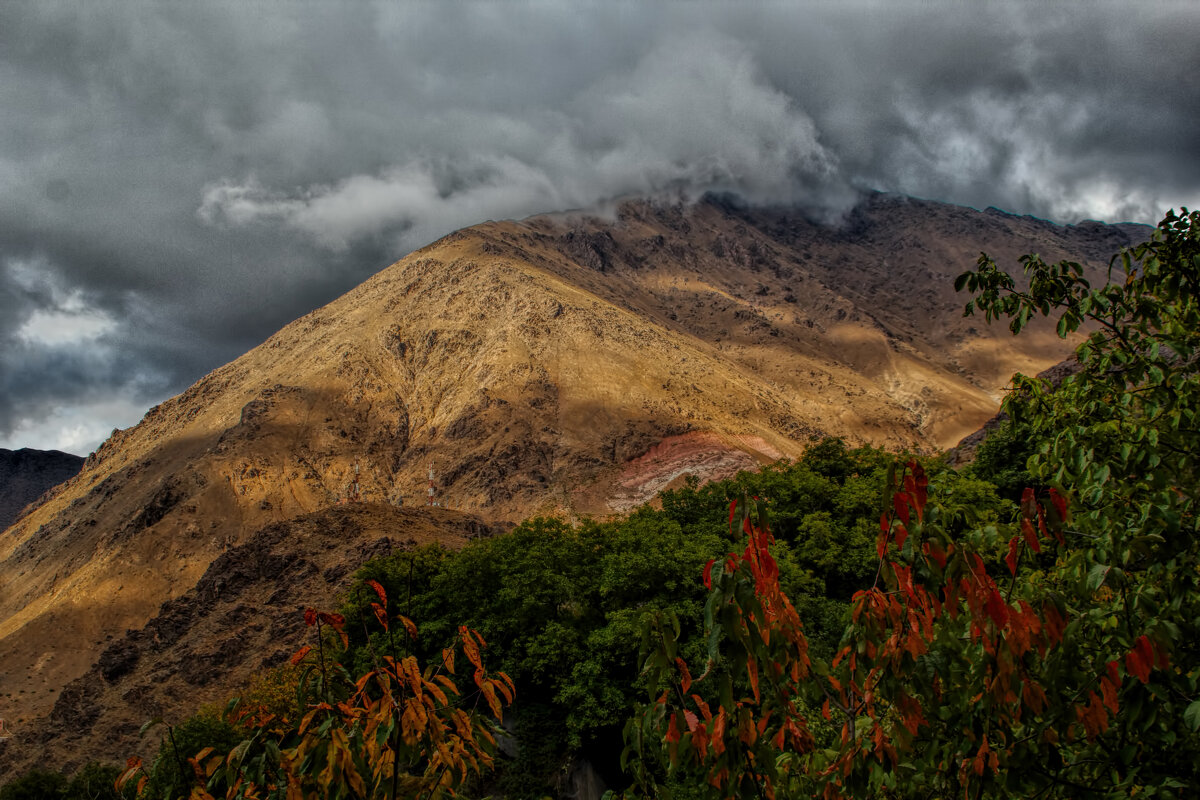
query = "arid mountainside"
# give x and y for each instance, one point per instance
(25, 474)
(244, 615)
(570, 363)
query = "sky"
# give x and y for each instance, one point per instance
(178, 180)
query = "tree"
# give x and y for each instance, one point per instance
(1053, 656)
(398, 730)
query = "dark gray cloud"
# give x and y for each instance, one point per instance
(177, 180)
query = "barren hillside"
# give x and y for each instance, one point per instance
(571, 364)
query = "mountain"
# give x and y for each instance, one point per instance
(569, 363)
(25, 474)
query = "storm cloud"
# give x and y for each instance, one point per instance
(178, 180)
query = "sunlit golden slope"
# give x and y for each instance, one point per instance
(564, 363)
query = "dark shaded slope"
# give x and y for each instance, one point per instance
(26, 474)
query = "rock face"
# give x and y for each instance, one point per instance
(566, 363)
(26, 474)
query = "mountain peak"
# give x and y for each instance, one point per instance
(569, 364)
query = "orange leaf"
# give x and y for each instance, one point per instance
(379, 591)
(1108, 690)
(718, 732)
(703, 706)
(673, 732)
(380, 615)
(752, 674)
(489, 694)
(299, 655)
(685, 677)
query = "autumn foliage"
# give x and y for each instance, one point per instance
(398, 730)
(1050, 656)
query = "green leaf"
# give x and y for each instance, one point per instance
(1192, 715)
(1096, 576)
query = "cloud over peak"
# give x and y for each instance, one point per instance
(694, 114)
(200, 173)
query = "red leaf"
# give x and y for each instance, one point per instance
(708, 573)
(997, 609)
(1014, 544)
(901, 535)
(1028, 504)
(1141, 659)
(1030, 535)
(922, 489)
(936, 553)
(1136, 667)
(310, 617)
(900, 503)
(1060, 504)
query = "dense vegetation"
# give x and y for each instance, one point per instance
(1051, 656)
(1032, 640)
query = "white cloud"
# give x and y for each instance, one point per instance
(693, 114)
(63, 326)
(78, 428)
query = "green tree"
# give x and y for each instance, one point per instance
(170, 775)
(96, 781)
(1053, 655)
(36, 784)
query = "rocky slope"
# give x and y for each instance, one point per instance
(567, 363)
(245, 614)
(26, 474)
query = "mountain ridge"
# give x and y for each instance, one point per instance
(566, 364)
